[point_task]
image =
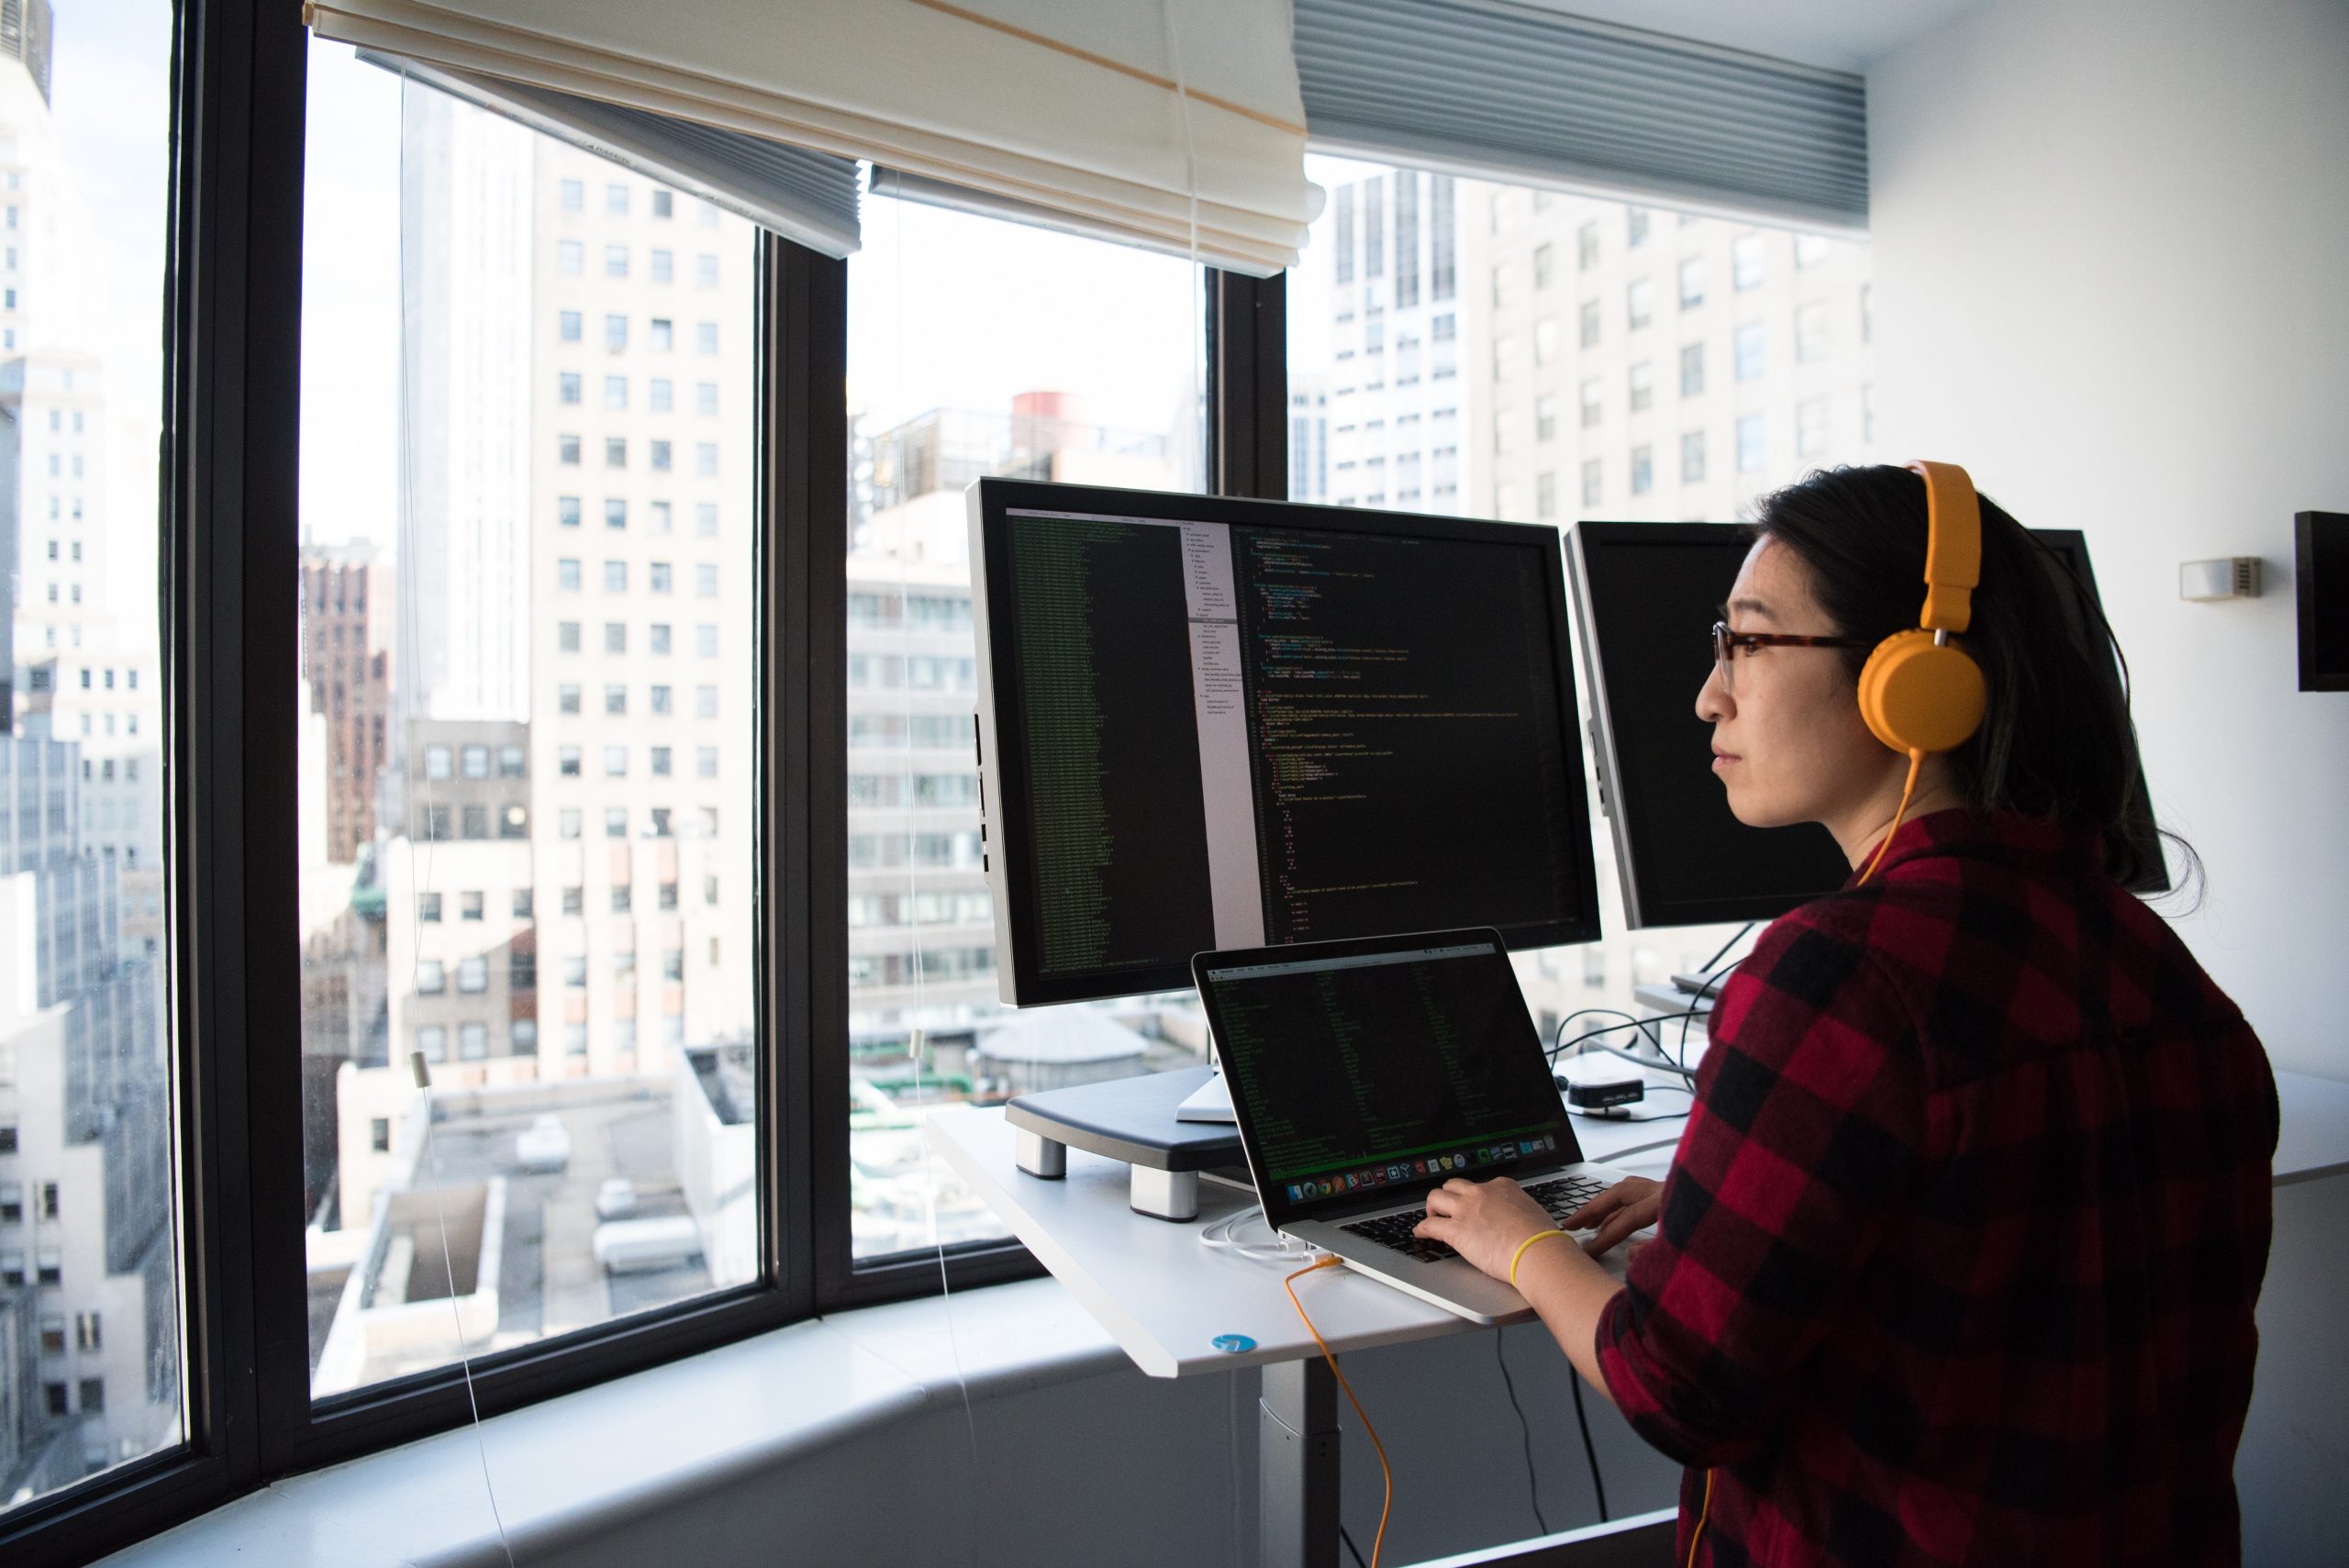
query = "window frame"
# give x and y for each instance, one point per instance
(228, 515)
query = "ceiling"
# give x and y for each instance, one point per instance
(1839, 35)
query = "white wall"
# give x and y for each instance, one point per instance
(2110, 241)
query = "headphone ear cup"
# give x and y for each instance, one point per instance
(1916, 696)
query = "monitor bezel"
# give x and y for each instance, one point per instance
(1280, 1210)
(1641, 909)
(2317, 598)
(1004, 854)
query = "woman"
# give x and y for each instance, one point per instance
(1957, 1260)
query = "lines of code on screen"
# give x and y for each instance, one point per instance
(1408, 764)
(1341, 1067)
(1116, 824)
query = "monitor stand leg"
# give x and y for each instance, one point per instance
(1039, 1156)
(1166, 1194)
(1297, 1495)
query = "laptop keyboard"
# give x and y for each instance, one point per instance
(1561, 1196)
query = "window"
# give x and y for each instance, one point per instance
(435, 762)
(614, 637)
(661, 203)
(706, 581)
(1643, 387)
(567, 697)
(661, 761)
(614, 333)
(615, 822)
(616, 199)
(1692, 369)
(706, 459)
(615, 762)
(566, 638)
(569, 325)
(1748, 266)
(1592, 491)
(1545, 341)
(615, 451)
(1692, 283)
(661, 393)
(616, 512)
(1641, 302)
(1749, 351)
(1811, 429)
(705, 762)
(574, 196)
(1544, 265)
(431, 977)
(660, 332)
(1587, 246)
(1592, 403)
(567, 387)
(570, 256)
(473, 975)
(1692, 457)
(657, 577)
(1635, 228)
(1545, 496)
(475, 762)
(659, 633)
(616, 261)
(1545, 417)
(567, 575)
(1590, 324)
(705, 337)
(1750, 455)
(1810, 332)
(615, 393)
(705, 271)
(706, 519)
(1811, 251)
(616, 700)
(616, 576)
(1642, 469)
(427, 907)
(566, 507)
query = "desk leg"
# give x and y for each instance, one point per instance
(1297, 1495)
(1039, 1156)
(1167, 1194)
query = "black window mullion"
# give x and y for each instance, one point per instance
(1247, 329)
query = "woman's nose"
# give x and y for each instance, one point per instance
(1713, 700)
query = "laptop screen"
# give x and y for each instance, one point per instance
(1356, 1067)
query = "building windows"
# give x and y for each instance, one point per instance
(705, 761)
(1749, 351)
(1692, 369)
(616, 700)
(1591, 489)
(474, 761)
(665, 266)
(1692, 282)
(660, 700)
(1587, 246)
(1593, 403)
(704, 702)
(1544, 266)
(614, 637)
(574, 196)
(431, 977)
(615, 393)
(1545, 496)
(661, 393)
(705, 271)
(473, 975)
(706, 459)
(567, 575)
(705, 337)
(661, 763)
(566, 507)
(615, 451)
(435, 762)
(568, 325)
(1590, 324)
(1748, 264)
(1642, 378)
(705, 582)
(659, 632)
(1810, 250)
(1642, 469)
(566, 764)
(1692, 457)
(1545, 417)
(1750, 453)
(566, 386)
(1810, 332)
(615, 822)
(616, 261)
(615, 762)
(567, 697)
(616, 576)
(706, 398)
(705, 641)
(1635, 228)
(1811, 429)
(614, 333)
(569, 257)
(427, 907)
(1640, 301)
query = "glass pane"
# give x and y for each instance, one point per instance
(89, 1303)
(565, 934)
(975, 347)
(1512, 386)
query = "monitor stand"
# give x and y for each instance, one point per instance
(1133, 1121)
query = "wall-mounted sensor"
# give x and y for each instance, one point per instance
(2230, 577)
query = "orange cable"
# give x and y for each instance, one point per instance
(1916, 764)
(1386, 1474)
(1703, 1514)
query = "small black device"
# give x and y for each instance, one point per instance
(1599, 1096)
(2320, 576)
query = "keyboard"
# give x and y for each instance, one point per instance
(1560, 1196)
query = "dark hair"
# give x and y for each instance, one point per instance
(2057, 741)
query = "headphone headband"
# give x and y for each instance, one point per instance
(1953, 546)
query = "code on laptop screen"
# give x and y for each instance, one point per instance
(1374, 1062)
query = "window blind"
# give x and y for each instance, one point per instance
(1493, 89)
(1165, 122)
(809, 197)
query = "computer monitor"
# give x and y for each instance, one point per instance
(1207, 723)
(1646, 596)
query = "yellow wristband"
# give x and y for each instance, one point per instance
(1521, 1246)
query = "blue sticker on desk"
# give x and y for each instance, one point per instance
(1233, 1344)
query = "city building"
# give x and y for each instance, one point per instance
(346, 621)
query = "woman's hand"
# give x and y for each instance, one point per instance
(1485, 1222)
(1629, 1205)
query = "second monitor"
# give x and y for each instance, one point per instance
(1212, 723)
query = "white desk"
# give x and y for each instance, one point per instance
(1165, 1299)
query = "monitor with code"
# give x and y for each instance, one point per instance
(1208, 723)
(1647, 595)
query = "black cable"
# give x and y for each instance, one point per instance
(1524, 1427)
(1589, 1448)
(1664, 1062)
(1725, 947)
(1352, 1547)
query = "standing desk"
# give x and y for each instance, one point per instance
(1165, 1299)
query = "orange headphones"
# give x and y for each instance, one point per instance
(1920, 693)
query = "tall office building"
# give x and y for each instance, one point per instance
(88, 1324)
(643, 653)
(1308, 437)
(347, 617)
(462, 649)
(1396, 396)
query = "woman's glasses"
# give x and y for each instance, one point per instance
(1727, 642)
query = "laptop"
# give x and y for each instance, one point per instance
(1365, 1073)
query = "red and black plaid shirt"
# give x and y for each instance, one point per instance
(1957, 1257)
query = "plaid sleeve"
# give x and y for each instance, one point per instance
(1809, 1111)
